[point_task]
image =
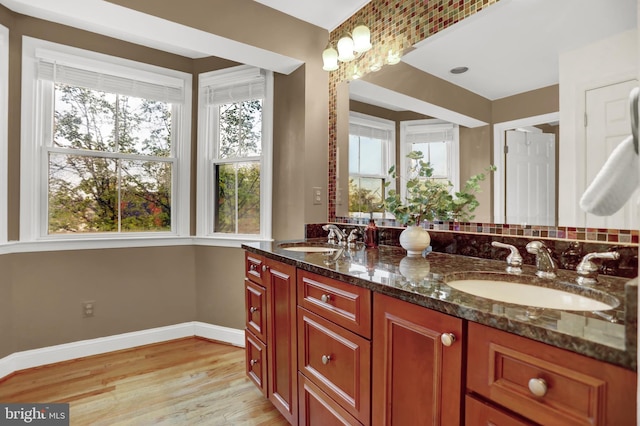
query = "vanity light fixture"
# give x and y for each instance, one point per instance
(349, 48)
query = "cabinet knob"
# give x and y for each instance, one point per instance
(447, 339)
(538, 386)
(252, 267)
(253, 309)
(326, 359)
(253, 362)
(264, 268)
(325, 298)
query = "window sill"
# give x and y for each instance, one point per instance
(130, 242)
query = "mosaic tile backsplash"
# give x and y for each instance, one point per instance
(470, 240)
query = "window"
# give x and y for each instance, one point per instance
(371, 149)
(109, 153)
(4, 122)
(234, 154)
(438, 141)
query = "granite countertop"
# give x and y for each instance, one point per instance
(610, 336)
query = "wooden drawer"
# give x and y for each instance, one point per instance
(253, 267)
(317, 409)
(255, 309)
(579, 390)
(337, 361)
(344, 304)
(256, 361)
(480, 413)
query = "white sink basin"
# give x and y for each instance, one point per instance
(531, 295)
(307, 248)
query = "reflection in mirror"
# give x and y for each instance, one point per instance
(538, 92)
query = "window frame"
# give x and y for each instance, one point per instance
(4, 133)
(36, 125)
(207, 151)
(389, 153)
(453, 149)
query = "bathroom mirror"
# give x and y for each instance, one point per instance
(535, 71)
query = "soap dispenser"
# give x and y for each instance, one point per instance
(371, 234)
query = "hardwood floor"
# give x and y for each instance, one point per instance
(188, 381)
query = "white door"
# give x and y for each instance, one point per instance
(608, 123)
(531, 173)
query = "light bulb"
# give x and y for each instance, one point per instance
(330, 59)
(345, 49)
(361, 38)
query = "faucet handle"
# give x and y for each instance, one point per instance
(588, 270)
(514, 259)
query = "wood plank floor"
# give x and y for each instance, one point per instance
(188, 381)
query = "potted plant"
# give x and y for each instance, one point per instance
(428, 199)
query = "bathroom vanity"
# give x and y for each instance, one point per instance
(339, 335)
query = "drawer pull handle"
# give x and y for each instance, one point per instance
(253, 309)
(447, 339)
(325, 298)
(326, 359)
(253, 362)
(538, 387)
(264, 268)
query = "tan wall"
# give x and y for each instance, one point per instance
(133, 289)
(223, 303)
(528, 104)
(7, 345)
(475, 157)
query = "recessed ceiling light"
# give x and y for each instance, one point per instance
(459, 70)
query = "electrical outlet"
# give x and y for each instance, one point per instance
(317, 195)
(88, 308)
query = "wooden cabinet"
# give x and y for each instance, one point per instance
(270, 295)
(416, 378)
(334, 351)
(480, 413)
(545, 384)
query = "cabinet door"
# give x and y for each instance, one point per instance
(256, 357)
(336, 360)
(281, 337)
(417, 380)
(255, 309)
(479, 413)
(317, 409)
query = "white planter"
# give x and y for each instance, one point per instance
(414, 239)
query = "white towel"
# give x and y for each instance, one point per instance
(615, 182)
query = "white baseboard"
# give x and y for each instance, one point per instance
(51, 354)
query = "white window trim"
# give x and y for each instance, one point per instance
(454, 148)
(4, 133)
(361, 119)
(204, 207)
(32, 165)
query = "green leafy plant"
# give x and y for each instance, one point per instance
(429, 198)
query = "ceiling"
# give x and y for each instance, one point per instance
(327, 14)
(513, 46)
(509, 47)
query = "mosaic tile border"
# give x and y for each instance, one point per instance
(601, 235)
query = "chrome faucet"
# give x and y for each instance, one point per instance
(545, 264)
(588, 271)
(514, 260)
(335, 232)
